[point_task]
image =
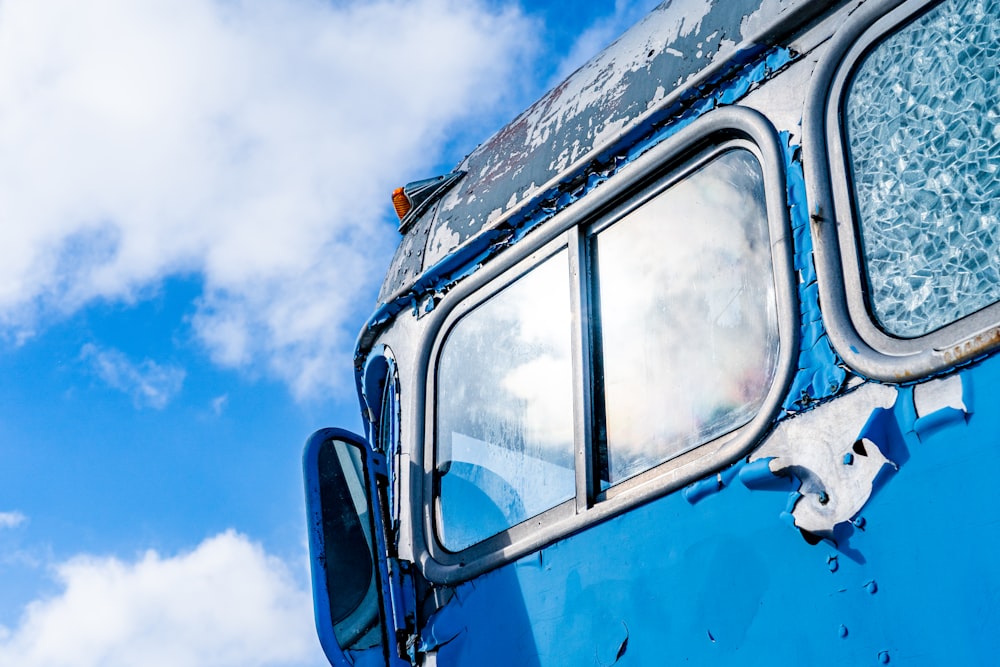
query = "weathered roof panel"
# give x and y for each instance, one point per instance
(610, 94)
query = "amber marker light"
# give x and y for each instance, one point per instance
(413, 198)
(401, 202)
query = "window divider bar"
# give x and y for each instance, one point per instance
(580, 293)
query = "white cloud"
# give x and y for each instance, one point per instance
(251, 143)
(219, 404)
(148, 383)
(227, 603)
(11, 519)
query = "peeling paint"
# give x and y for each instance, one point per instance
(941, 402)
(821, 373)
(830, 492)
(458, 263)
(706, 487)
(755, 22)
(702, 489)
(940, 393)
(443, 237)
(832, 563)
(925, 426)
(757, 476)
(614, 94)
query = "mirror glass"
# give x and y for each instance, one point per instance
(345, 579)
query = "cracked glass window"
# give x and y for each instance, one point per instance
(688, 326)
(922, 130)
(505, 409)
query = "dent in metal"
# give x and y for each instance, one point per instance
(836, 454)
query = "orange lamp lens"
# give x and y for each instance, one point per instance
(400, 202)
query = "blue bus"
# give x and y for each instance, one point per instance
(693, 363)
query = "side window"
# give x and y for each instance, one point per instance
(634, 347)
(387, 441)
(505, 409)
(380, 390)
(921, 125)
(688, 331)
(640, 334)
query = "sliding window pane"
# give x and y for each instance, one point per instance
(688, 327)
(505, 409)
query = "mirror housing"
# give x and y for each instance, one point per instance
(343, 534)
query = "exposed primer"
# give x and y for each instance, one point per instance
(941, 402)
(812, 447)
(940, 393)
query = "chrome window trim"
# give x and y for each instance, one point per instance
(839, 266)
(646, 176)
(440, 330)
(580, 275)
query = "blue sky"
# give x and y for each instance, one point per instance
(195, 222)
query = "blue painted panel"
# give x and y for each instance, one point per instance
(726, 581)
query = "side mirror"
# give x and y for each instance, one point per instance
(342, 539)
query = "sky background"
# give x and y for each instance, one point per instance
(194, 222)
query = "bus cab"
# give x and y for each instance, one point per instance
(694, 362)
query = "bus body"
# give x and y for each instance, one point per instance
(695, 362)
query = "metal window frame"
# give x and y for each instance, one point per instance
(840, 269)
(483, 290)
(590, 230)
(642, 179)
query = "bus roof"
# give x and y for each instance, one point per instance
(630, 87)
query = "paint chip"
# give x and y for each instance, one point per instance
(938, 394)
(859, 425)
